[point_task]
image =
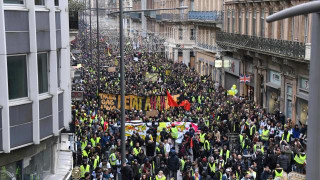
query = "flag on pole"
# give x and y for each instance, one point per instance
(171, 101)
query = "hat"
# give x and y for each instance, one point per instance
(173, 125)
(204, 160)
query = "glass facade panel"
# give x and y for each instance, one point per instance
(43, 72)
(13, 1)
(17, 76)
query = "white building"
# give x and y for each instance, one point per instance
(35, 93)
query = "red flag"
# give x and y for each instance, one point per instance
(171, 101)
(185, 104)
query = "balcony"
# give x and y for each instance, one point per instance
(207, 47)
(206, 16)
(170, 17)
(150, 14)
(135, 16)
(280, 48)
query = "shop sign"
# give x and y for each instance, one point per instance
(232, 66)
(218, 63)
(275, 77)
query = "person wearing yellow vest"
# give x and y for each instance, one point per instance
(278, 172)
(84, 168)
(202, 138)
(94, 140)
(160, 176)
(252, 130)
(211, 168)
(174, 132)
(257, 147)
(225, 153)
(265, 135)
(286, 136)
(113, 158)
(84, 143)
(136, 150)
(207, 146)
(300, 160)
(95, 161)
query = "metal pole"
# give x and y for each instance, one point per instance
(90, 35)
(122, 87)
(313, 145)
(98, 52)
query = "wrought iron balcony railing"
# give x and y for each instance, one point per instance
(216, 16)
(280, 48)
(172, 17)
(211, 48)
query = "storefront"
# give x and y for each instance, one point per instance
(206, 64)
(273, 91)
(302, 100)
(232, 72)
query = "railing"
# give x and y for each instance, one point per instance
(150, 14)
(208, 47)
(172, 17)
(281, 48)
(136, 16)
(206, 15)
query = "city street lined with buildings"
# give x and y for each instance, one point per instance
(212, 91)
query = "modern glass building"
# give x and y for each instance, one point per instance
(35, 88)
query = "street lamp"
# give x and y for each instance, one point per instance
(314, 100)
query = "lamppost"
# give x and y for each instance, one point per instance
(314, 100)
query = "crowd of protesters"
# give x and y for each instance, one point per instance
(236, 138)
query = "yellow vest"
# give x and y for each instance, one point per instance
(83, 171)
(162, 178)
(288, 137)
(136, 151)
(174, 133)
(112, 163)
(300, 159)
(202, 137)
(278, 174)
(213, 167)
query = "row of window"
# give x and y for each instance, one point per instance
(18, 74)
(36, 2)
(231, 25)
(171, 33)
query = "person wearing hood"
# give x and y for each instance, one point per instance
(173, 164)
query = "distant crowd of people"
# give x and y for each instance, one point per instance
(236, 138)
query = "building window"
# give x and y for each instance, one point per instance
(59, 68)
(292, 29)
(17, 76)
(233, 21)
(270, 25)
(192, 5)
(180, 34)
(247, 22)
(13, 2)
(262, 23)
(191, 34)
(240, 21)
(228, 24)
(254, 19)
(289, 102)
(39, 2)
(56, 2)
(304, 84)
(43, 73)
(306, 28)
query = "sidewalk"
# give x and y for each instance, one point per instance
(64, 161)
(64, 166)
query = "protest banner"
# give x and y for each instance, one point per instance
(182, 127)
(112, 69)
(145, 103)
(141, 128)
(151, 77)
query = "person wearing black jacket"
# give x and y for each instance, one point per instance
(126, 172)
(173, 164)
